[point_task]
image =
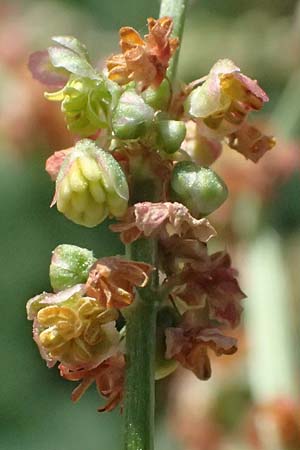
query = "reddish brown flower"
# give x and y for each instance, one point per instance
(209, 281)
(108, 376)
(112, 281)
(143, 60)
(189, 346)
(250, 142)
(161, 219)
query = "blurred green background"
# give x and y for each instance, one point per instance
(262, 37)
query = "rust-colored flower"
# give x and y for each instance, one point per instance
(108, 376)
(143, 60)
(250, 142)
(209, 281)
(112, 281)
(189, 346)
(161, 219)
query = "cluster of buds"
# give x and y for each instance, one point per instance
(145, 161)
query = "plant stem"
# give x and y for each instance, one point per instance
(175, 9)
(140, 341)
(139, 403)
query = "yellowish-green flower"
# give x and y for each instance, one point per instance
(91, 185)
(85, 104)
(72, 328)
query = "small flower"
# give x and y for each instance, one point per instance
(189, 346)
(250, 142)
(112, 280)
(85, 103)
(144, 61)
(73, 328)
(108, 376)
(90, 185)
(224, 99)
(161, 219)
(208, 281)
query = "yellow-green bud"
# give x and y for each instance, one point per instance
(200, 189)
(158, 98)
(132, 117)
(70, 265)
(171, 134)
(91, 185)
(85, 104)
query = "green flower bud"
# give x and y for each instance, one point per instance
(70, 265)
(166, 317)
(198, 188)
(132, 118)
(171, 134)
(158, 98)
(91, 185)
(85, 104)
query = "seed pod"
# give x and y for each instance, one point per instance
(70, 265)
(171, 134)
(198, 188)
(132, 117)
(158, 98)
(91, 185)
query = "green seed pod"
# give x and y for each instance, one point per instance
(158, 98)
(85, 104)
(171, 134)
(166, 317)
(70, 265)
(132, 118)
(198, 188)
(91, 185)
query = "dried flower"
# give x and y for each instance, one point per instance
(161, 220)
(189, 346)
(250, 142)
(108, 376)
(208, 281)
(112, 281)
(143, 60)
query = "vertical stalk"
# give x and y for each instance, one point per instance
(139, 403)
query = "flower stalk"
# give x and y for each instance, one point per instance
(139, 402)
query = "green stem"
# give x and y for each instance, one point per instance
(175, 9)
(140, 342)
(139, 403)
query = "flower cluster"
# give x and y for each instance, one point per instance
(145, 161)
(77, 325)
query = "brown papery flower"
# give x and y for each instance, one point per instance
(143, 60)
(112, 281)
(108, 376)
